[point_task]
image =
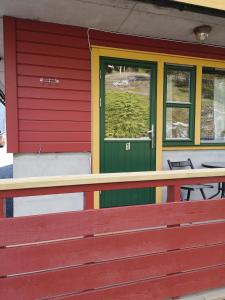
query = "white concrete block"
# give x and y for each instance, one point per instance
(50, 164)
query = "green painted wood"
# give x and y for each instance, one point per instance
(190, 106)
(114, 156)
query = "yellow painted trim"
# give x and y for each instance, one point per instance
(159, 124)
(160, 59)
(95, 111)
(95, 119)
(154, 56)
(198, 100)
(96, 200)
(216, 4)
(194, 148)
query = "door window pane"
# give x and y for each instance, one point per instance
(177, 125)
(178, 86)
(213, 108)
(127, 101)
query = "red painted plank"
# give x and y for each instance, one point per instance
(54, 147)
(35, 48)
(45, 93)
(60, 105)
(52, 39)
(27, 136)
(154, 45)
(65, 225)
(54, 125)
(47, 115)
(159, 288)
(126, 41)
(53, 72)
(53, 61)
(103, 248)
(78, 85)
(51, 28)
(11, 84)
(181, 51)
(51, 283)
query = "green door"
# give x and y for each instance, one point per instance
(128, 96)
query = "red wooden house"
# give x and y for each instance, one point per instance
(97, 86)
(114, 83)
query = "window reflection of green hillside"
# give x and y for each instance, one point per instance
(178, 118)
(177, 97)
(127, 111)
(126, 115)
(137, 83)
(180, 94)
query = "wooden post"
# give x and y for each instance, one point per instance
(173, 193)
(2, 208)
(89, 200)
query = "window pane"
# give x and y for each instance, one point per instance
(213, 108)
(127, 102)
(178, 86)
(177, 123)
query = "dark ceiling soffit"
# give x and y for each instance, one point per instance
(186, 7)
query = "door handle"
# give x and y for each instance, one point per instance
(152, 133)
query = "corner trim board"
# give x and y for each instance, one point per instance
(11, 84)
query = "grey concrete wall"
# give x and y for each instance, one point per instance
(197, 157)
(34, 165)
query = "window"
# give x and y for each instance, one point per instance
(127, 101)
(213, 106)
(179, 105)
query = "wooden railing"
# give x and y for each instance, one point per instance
(99, 182)
(141, 252)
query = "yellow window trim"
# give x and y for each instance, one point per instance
(160, 59)
(194, 148)
(216, 4)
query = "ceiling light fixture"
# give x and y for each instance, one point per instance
(202, 32)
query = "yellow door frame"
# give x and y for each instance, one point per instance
(160, 59)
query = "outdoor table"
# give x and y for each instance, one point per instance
(214, 165)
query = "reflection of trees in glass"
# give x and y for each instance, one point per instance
(213, 106)
(178, 102)
(177, 125)
(123, 69)
(178, 85)
(207, 112)
(127, 96)
(126, 115)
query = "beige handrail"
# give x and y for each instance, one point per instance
(74, 180)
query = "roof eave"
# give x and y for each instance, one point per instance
(183, 6)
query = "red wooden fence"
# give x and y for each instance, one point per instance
(136, 253)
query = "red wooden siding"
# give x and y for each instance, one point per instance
(145, 260)
(35, 50)
(57, 117)
(155, 45)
